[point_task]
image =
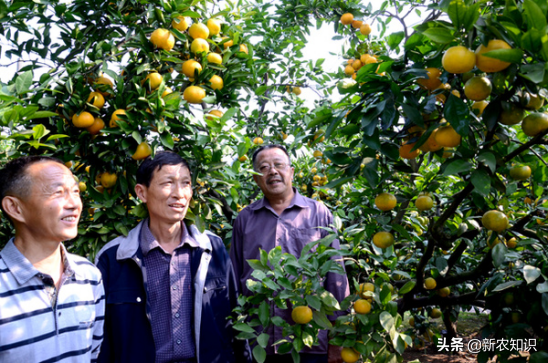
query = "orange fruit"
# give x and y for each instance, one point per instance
(458, 60)
(199, 45)
(385, 201)
(180, 23)
(446, 136)
(383, 239)
(511, 114)
(297, 91)
(424, 202)
(83, 119)
(96, 99)
(349, 355)
(115, 117)
(190, 67)
(520, 172)
(512, 242)
(365, 29)
(356, 24)
(528, 200)
(430, 283)
(143, 151)
(194, 94)
(347, 18)
(167, 91)
(406, 153)
(535, 101)
(317, 154)
(301, 314)
(216, 82)
(357, 64)
(495, 220)
(96, 127)
(478, 88)
(448, 152)
(154, 79)
(435, 313)
(535, 123)
(444, 291)
(243, 48)
(162, 38)
(214, 113)
(214, 58)
(103, 83)
(479, 106)
(242, 158)
(214, 26)
(228, 44)
(368, 59)
(349, 70)
(108, 180)
(198, 30)
(82, 187)
(364, 287)
(362, 306)
(259, 141)
(431, 145)
(490, 65)
(432, 80)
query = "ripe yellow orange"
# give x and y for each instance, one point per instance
(357, 64)
(412, 321)
(430, 283)
(535, 123)
(83, 119)
(82, 187)
(180, 23)
(362, 306)
(214, 26)
(479, 106)
(448, 152)
(108, 180)
(214, 58)
(296, 90)
(435, 313)
(432, 80)
(167, 91)
(143, 151)
(199, 45)
(458, 60)
(198, 30)
(96, 127)
(535, 101)
(511, 114)
(431, 145)
(495, 220)
(243, 48)
(216, 82)
(115, 117)
(349, 355)
(194, 94)
(96, 99)
(258, 141)
(446, 136)
(154, 79)
(190, 67)
(216, 113)
(356, 24)
(444, 291)
(228, 44)
(364, 287)
(301, 314)
(424, 202)
(512, 242)
(349, 70)
(347, 18)
(490, 65)
(242, 158)
(365, 29)
(103, 83)
(406, 153)
(520, 172)
(478, 88)
(385, 201)
(383, 239)
(368, 59)
(163, 39)
(317, 154)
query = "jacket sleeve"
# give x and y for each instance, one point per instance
(241, 348)
(236, 252)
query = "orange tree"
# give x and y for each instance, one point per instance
(447, 116)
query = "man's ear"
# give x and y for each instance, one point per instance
(13, 208)
(255, 178)
(141, 192)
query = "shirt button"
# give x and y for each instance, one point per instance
(178, 341)
(177, 315)
(174, 287)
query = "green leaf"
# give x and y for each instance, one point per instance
(261, 90)
(507, 285)
(536, 18)
(439, 35)
(259, 354)
(545, 303)
(471, 17)
(498, 253)
(321, 319)
(262, 339)
(386, 320)
(264, 313)
(488, 158)
(308, 339)
(41, 114)
(409, 285)
(243, 327)
(39, 131)
(314, 302)
(257, 265)
(457, 112)
(457, 12)
(23, 82)
(167, 140)
(329, 300)
(137, 136)
(541, 357)
(456, 167)
(530, 273)
(482, 181)
(394, 39)
(506, 55)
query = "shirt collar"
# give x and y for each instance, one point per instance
(21, 267)
(298, 200)
(148, 242)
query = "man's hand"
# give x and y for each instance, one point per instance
(334, 354)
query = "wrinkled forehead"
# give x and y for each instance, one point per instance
(177, 171)
(272, 155)
(47, 175)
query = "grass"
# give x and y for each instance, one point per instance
(467, 324)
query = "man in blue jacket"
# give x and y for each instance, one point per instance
(169, 288)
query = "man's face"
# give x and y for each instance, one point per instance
(52, 210)
(277, 177)
(169, 193)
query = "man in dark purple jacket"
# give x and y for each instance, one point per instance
(287, 219)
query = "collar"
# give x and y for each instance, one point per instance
(148, 242)
(21, 267)
(298, 200)
(129, 245)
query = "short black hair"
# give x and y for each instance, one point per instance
(14, 180)
(266, 147)
(150, 165)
